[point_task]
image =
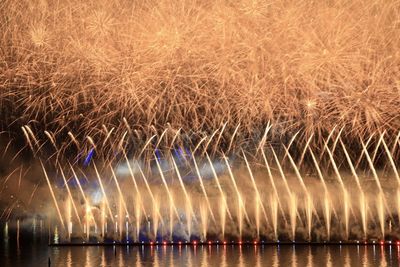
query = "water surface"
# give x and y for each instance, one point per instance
(37, 253)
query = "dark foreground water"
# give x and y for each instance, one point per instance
(37, 254)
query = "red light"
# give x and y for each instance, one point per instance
(240, 242)
(382, 242)
(151, 243)
(255, 242)
(209, 242)
(165, 242)
(224, 242)
(194, 242)
(180, 243)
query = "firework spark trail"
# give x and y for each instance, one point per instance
(156, 216)
(232, 138)
(103, 218)
(51, 138)
(272, 180)
(138, 205)
(108, 133)
(338, 176)
(371, 165)
(90, 140)
(375, 175)
(222, 213)
(332, 151)
(274, 215)
(263, 140)
(73, 139)
(121, 142)
(204, 220)
(203, 189)
(183, 188)
(306, 191)
(327, 198)
(119, 191)
(353, 171)
(52, 195)
(53, 143)
(188, 212)
(326, 191)
(344, 190)
(336, 141)
(305, 150)
(70, 196)
(198, 144)
(9, 143)
(102, 190)
(134, 182)
(8, 210)
(380, 202)
(394, 168)
(326, 141)
(174, 138)
(166, 187)
(171, 218)
(395, 143)
(153, 199)
(364, 213)
(359, 160)
(292, 198)
(298, 175)
(219, 186)
(363, 201)
(375, 153)
(9, 176)
(209, 141)
(27, 138)
(281, 172)
(33, 193)
(255, 188)
(145, 146)
(241, 204)
(87, 204)
(219, 138)
(160, 139)
(289, 146)
(29, 130)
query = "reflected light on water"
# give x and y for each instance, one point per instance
(103, 258)
(309, 258)
(364, 259)
(241, 259)
(275, 257)
(69, 258)
(223, 257)
(383, 261)
(208, 255)
(347, 259)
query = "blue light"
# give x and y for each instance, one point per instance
(158, 154)
(89, 157)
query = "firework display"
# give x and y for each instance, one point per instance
(200, 121)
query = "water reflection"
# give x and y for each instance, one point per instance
(275, 257)
(309, 258)
(347, 258)
(383, 261)
(221, 255)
